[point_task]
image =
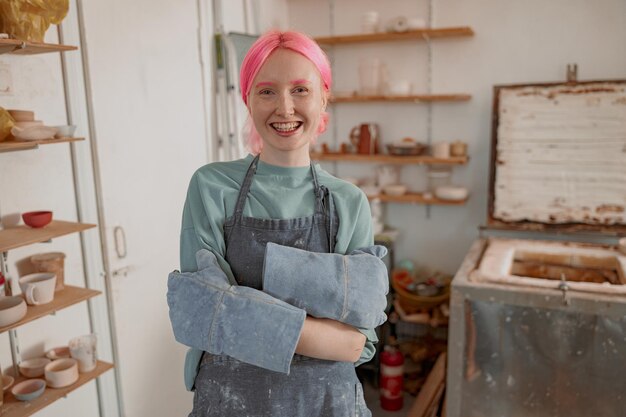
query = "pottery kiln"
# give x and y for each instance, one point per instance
(538, 327)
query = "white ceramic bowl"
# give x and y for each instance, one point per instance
(370, 190)
(12, 309)
(61, 373)
(29, 390)
(395, 189)
(451, 193)
(7, 382)
(34, 132)
(59, 352)
(66, 131)
(32, 368)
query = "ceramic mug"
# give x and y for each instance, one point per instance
(441, 150)
(38, 288)
(83, 349)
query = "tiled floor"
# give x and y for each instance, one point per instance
(373, 402)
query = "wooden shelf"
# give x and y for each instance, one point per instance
(19, 236)
(416, 198)
(420, 98)
(64, 298)
(421, 34)
(23, 145)
(18, 47)
(15, 408)
(390, 159)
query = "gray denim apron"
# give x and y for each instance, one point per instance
(314, 388)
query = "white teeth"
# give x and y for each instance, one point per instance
(286, 126)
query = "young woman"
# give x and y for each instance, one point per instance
(269, 257)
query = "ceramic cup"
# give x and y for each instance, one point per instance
(369, 76)
(83, 349)
(61, 373)
(38, 288)
(51, 262)
(441, 150)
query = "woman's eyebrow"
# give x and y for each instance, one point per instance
(300, 81)
(264, 83)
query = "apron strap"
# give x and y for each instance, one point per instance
(245, 188)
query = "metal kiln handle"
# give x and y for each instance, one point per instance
(564, 289)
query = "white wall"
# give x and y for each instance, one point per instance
(515, 42)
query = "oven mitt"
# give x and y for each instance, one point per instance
(350, 288)
(208, 313)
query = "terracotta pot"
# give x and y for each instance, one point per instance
(50, 262)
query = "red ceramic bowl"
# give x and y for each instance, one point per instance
(37, 218)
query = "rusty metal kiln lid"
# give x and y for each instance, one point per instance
(558, 157)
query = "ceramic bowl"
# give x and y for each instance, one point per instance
(395, 189)
(37, 218)
(29, 390)
(24, 125)
(32, 368)
(12, 309)
(7, 382)
(34, 132)
(370, 190)
(452, 193)
(59, 352)
(22, 115)
(65, 131)
(61, 373)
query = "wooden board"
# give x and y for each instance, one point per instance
(22, 145)
(14, 46)
(431, 388)
(390, 159)
(417, 98)
(66, 297)
(15, 408)
(421, 34)
(416, 198)
(23, 235)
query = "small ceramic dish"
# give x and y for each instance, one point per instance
(12, 310)
(32, 368)
(395, 189)
(34, 132)
(65, 131)
(451, 193)
(22, 115)
(61, 373)
(59, 352)
(7, 382)
(24, 125)
(370, 190)
(37, 218)
(29, 390)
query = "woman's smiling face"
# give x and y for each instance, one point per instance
(285, 102)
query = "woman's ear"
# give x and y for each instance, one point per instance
(325, 97)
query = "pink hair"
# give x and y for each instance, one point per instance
(256, 57)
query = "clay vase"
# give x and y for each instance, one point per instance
(50, 262)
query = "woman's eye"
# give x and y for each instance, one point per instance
(265, 92)
(300, 90)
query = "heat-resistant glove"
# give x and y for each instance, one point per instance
(208, 313)
(350, 288)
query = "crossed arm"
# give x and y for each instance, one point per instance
(330, 340)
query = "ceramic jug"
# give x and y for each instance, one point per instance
(365, 138)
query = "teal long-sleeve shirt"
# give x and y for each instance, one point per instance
(276, 193)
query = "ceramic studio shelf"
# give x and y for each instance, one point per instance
(390, 159)
(18, 47)
(15, 408)
(421, 34)
(417, 198)
(419, 98)
(64, 298)
(19, 236)
(23, 145)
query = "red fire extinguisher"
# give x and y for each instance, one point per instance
(391, 378)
